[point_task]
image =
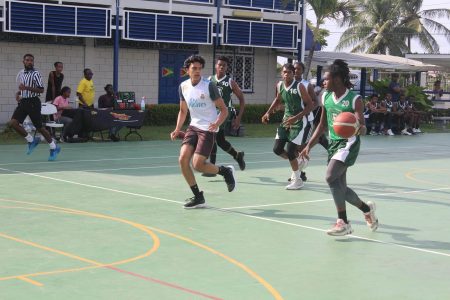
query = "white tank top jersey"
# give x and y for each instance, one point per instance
(305, 84)
(200, 101)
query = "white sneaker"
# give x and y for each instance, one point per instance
(302, 163)
(406, 132)
(389, 132)
(340, 228)
(371, 218)
(296, 184)
(417, 130)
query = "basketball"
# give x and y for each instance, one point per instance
(345, 125)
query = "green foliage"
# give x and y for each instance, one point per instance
(421, 101)
(166, 114)
(381, 87)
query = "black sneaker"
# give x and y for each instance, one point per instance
(208, 175)
(195, 202)
(303, 176)
(229, 178)
(240, 160)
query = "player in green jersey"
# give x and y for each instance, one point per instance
(227, 87)
(342, 153)
(297, 106)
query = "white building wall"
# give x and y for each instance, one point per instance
(139, 70)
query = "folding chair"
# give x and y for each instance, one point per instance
(47, 112)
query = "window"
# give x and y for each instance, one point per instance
(241, 66)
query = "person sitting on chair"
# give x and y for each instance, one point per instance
(108, 101)
(62, 103)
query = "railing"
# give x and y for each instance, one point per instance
(272, 5)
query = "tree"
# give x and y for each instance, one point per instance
(387, 27)
(339, 10)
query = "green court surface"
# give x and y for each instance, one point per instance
(105, 221)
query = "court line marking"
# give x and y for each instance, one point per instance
(240, 265)
(176, 156)
(261, 218)
(329, 199)
(410, 175)
(34, 282)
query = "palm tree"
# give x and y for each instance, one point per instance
(339, 10)
(421, 22)
(387, 27)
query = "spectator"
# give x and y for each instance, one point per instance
(415, 114)
(62, 103)
(437, 90)
(388, 115)
(376, 115)
(55, 80)
(86, 90)
(404, 116)
(394, 87)
(108, 101)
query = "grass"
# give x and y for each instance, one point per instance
(153, 133)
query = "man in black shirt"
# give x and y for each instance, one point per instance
(108, 101)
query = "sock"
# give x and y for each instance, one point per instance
(29, 138)
(195, 190)
(343, 216)
(52, 145)
(297, 174)
(223, 170)
(364, 208)
(232, 152)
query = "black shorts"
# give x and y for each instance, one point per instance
(202, 141)
(29, 107)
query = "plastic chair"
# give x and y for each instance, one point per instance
(47, 112)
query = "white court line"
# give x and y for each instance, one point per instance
(329, 199)
(95, 186)
(246, 215)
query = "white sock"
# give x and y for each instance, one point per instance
(297, 174)
(29, 138)
(52, 145)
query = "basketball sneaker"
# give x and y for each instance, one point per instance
(296, 184)
(195, 202)
(340, 228)
(302, 176)
(33, 145)
(54, 153)
(371, 218)
(406, 132)
(389, 132)
(240, 160)
(229, 178)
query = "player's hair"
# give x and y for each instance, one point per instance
(339, 68)
(301, 65)
(57, 63)
(224, 58)
(289, 67)
(86, 70)
(194, 59)
(28, 55)
(106, 86)
(65, 89)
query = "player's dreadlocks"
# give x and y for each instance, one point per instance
(339, 68)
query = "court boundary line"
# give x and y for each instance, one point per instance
(243, 214)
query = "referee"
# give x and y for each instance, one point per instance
(29, 104)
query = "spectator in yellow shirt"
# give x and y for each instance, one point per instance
(86, 90)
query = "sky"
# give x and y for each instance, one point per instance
(336, 31)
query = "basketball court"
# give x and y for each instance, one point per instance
(105, 221)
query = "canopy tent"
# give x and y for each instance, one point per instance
(441, 60)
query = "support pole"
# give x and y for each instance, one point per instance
(116, 49)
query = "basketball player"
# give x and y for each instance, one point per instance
(227, 86)
(297, 105)
(201, 97)
(342, 153)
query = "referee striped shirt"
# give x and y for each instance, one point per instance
(30, 78)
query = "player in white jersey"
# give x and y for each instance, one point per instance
(201, 98)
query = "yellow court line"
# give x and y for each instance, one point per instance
(34, 282)
(410, 175)
(240, 265)
(155, 238)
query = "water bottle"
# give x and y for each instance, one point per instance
(143, 104)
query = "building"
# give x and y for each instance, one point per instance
(155, 38)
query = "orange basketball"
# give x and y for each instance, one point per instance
(345, 125)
